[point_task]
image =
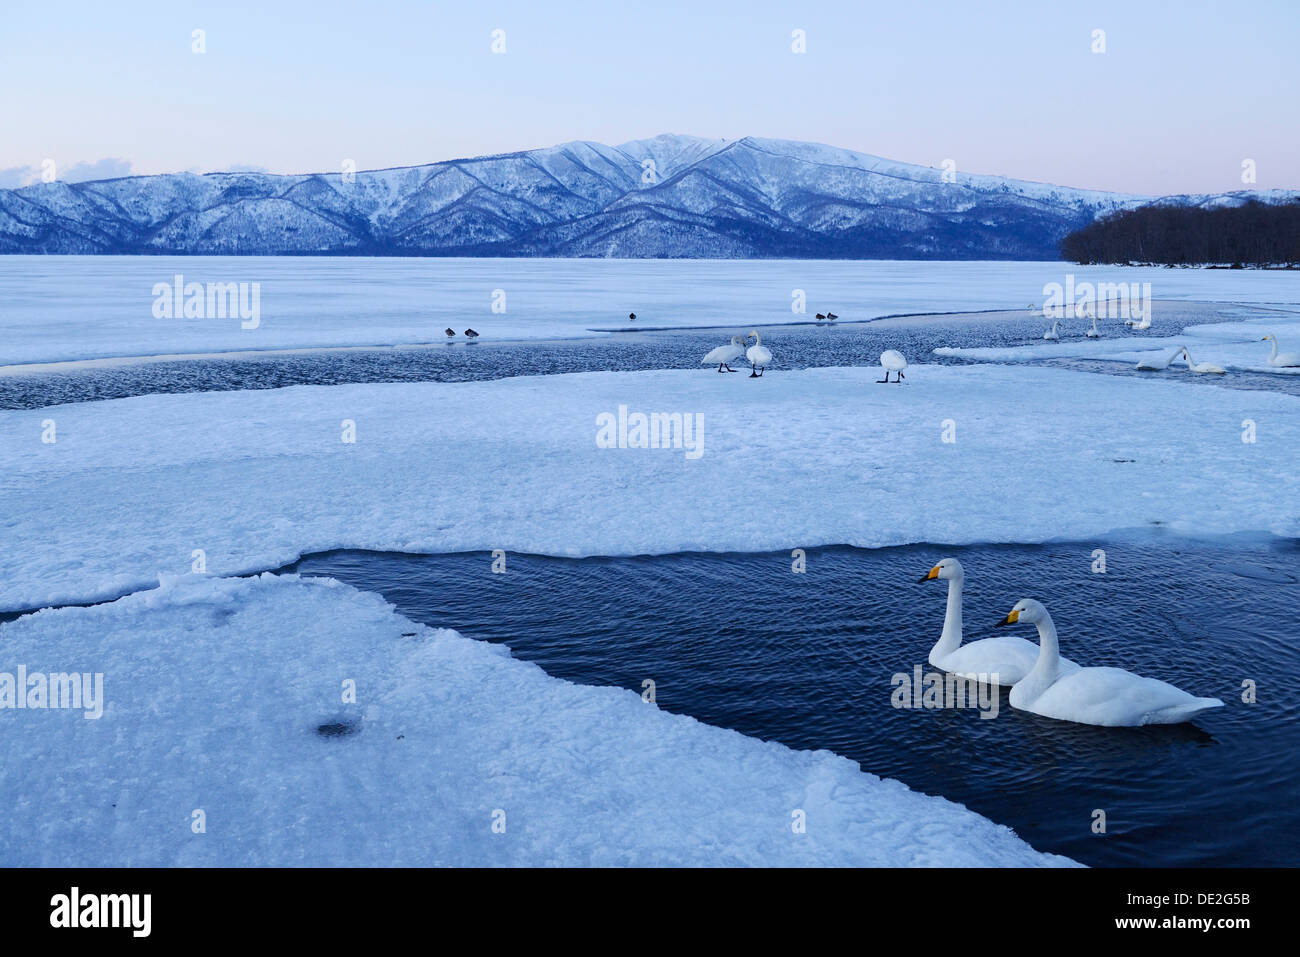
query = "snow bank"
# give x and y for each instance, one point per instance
(216, 689)
(1235, 346)
(136, 487)
(58, 308)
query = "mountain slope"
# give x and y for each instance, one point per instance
(671, 196)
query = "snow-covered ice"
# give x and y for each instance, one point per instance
(215, 690)
(1235, 346)
(134, 487)
(59, 308)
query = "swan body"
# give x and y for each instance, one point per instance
(891, 360)
(1053, 334)
(759, 355)
(1202, 368)
(1094, 332)
(1144, 324)
(1108, 697)
(1002, 659)
(1283, 360)
(725, 355)
(1157, 365)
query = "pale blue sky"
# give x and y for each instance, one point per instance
(1184, 93)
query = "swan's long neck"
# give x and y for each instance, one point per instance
(1273, 354)
(758, 340)
(1048, 666)
(950, 640)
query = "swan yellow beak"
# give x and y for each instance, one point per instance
(932, 573)
(1013, 616)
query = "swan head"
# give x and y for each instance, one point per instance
(949, 568)
(754, 333)
(1026, 610)
(737, 341)
(1267, 337)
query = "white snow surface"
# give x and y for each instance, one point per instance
(215, 689)
(132, 487)
(62, 308)
(1235, 346)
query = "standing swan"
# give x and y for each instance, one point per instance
(1094, 332)
(1202, 367)
(1053, 333)
(725, 355)
(1002, 659)
(891, 360)
(759, 355)
(1110, 697)
(1286, 360)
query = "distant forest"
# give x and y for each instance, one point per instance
(1253, 234)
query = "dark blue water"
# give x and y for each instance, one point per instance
(741, 642)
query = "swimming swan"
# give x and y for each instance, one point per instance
(1002, 659)
(1202, 367)
(1094, 332)
(1052, 334)
(1286, 360)
(1109, 697)
(759, 355)
(725, 355)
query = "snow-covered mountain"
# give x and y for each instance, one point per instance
(670, 196)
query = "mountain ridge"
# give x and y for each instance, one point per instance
(670, 196)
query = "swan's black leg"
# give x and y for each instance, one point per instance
(729, 369)
(753, 372)
(719, 366)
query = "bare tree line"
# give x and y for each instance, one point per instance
(1253, 234)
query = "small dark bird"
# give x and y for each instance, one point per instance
(450, 332)
(632, 316)
(831, 315)
(471, 334)
(820, 317)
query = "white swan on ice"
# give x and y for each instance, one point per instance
(725, 355)
(1053, 333)
(1094, 332)
(1002, 659)
(1202, 367)
(1157, 365)
(1286, 359)
(891, 360)
(1110, 697)
(759, 355)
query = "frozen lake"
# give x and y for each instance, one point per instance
(208, 453)
(74, 307)
(738, 641)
